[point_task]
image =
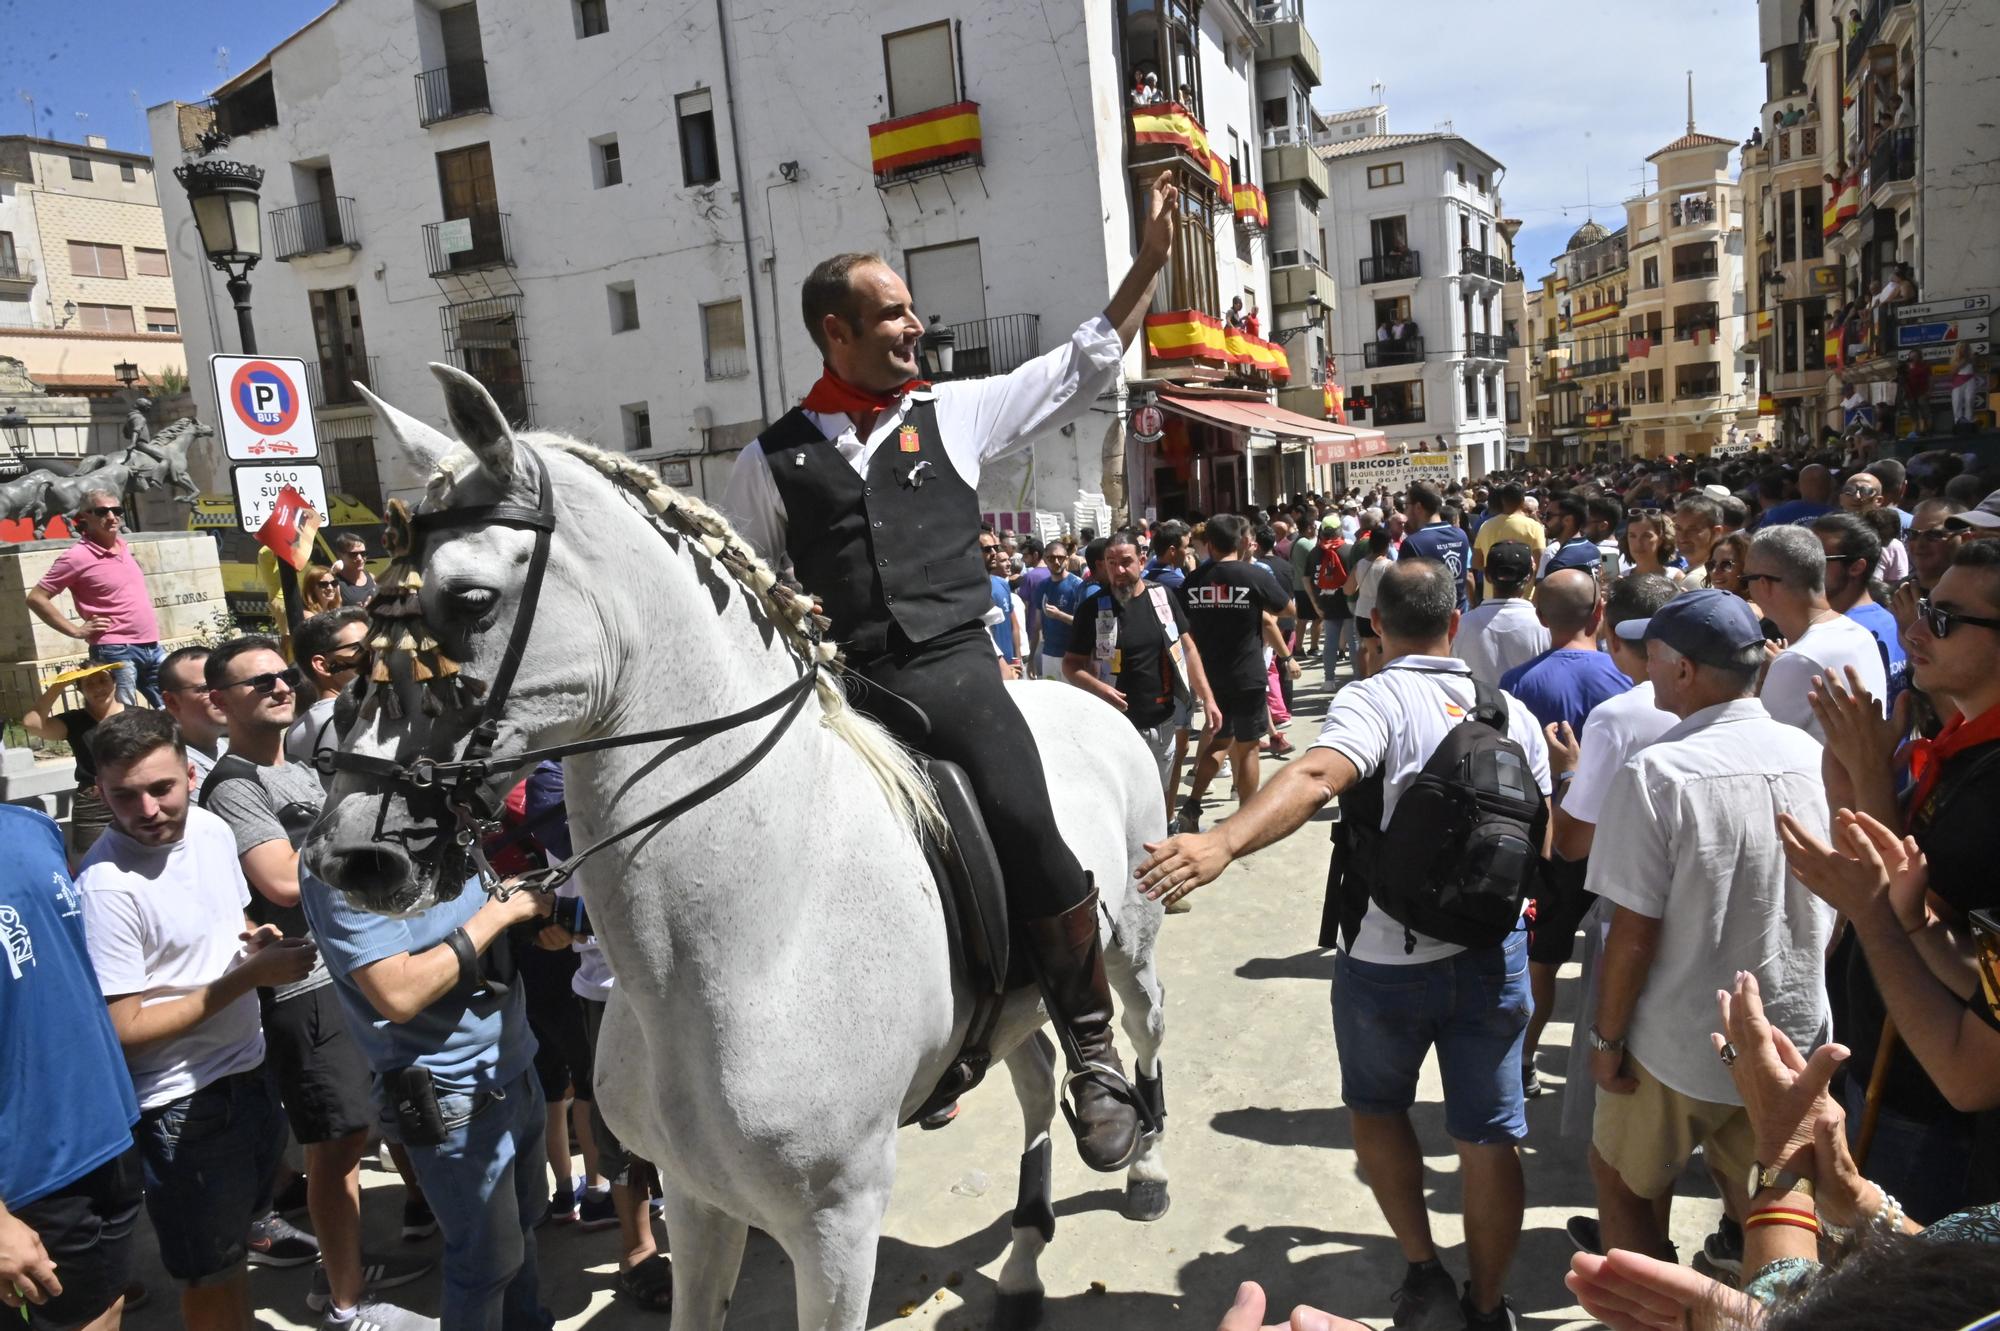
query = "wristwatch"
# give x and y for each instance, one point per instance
(1601, 1044)
(1775, 1178)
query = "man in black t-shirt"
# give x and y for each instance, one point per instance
(1122, 647)
(1233, 604)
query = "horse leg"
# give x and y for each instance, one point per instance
(707, 1248)
(1033, 1067)
(1142, 1007)
(833, 1250)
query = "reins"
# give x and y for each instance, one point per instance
(456, 783)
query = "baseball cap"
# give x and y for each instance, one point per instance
(1329, 524)
(1574, 554)
(1716, 491)
(1709, 627)
(1986, 517)
(1510, 561)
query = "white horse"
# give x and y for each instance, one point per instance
(786, 994)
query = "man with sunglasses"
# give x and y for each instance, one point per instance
(351, 575)
(108, 589)
(1786, 575)
(269, 804)
(330, 647)
(203, 727)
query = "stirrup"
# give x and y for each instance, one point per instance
(1121, 1090)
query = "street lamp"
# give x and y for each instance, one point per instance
(127, 372)
(13, 422)
(224, 198)
(937, 348)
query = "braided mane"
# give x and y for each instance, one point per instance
(672, 512)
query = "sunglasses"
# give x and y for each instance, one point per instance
(1939, 620)
(1763, 577)
(268, 682)
(107, 511)
(1935, 534)
(1723, 566)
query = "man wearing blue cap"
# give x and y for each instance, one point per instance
(1688, 855)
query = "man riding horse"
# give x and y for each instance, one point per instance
(152, 461)
(869, 491)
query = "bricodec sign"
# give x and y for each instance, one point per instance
(268, 433)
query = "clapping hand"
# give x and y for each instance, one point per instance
(1630, 1292)
(1247, 1314)
(1156, 240)
(1783, 1092)
(1870, 866)
(1857, 733)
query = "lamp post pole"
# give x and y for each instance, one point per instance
(239, 293)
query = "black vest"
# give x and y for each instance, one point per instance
(897, 548)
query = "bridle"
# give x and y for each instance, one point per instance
(455, 788)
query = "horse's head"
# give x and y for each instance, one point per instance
(448, 613)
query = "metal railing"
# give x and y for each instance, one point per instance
(1481, 264)
(1894, 157)
(312, 228)
(997, 345)
(1295, 259)
(1697, 211)
(1691, 388)
(1288, 136)
(1486, 346)
(1696, 272)
(14, 268)
(1282, 11)
(1687, 330)
(487, 244)
(330, 383)
(1395, 351)
(452, 90)
(1391, 267)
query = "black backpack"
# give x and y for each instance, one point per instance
(1460, 853)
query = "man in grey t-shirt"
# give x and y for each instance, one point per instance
(270, 804)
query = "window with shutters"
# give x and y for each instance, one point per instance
(699, 163)
(722, 346)
(922, 72)
(150, 263)
(88, 259)
(105, 319)
(1389, 173)
(160, 320)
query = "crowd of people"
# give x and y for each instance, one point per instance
(1773, 685)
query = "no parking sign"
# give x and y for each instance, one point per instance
(262, 404)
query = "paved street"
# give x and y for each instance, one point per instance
(1264, 1178)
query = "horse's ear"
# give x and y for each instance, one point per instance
(425, 445)
(477, 418)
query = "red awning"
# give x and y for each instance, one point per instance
(1332, 443)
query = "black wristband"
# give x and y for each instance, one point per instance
(460, 942)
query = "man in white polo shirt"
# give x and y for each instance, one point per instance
(1398, 994)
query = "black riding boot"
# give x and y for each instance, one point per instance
(1069, 961)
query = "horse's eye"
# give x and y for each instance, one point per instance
(472, 601)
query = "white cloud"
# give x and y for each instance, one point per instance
(1550, 87)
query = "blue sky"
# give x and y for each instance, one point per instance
(1550, 87)
(86, 62)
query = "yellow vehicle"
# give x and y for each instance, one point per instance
(250, 572)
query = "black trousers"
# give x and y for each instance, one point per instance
(955, 680)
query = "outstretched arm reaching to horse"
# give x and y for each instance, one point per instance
(1127, 310)
(1180, 864)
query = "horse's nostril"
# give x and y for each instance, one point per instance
(368, 869)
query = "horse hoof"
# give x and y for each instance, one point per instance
(1018, 1312)
(1145, 1200)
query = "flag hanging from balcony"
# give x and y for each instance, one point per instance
(1170, 123)
(1336, 400)
(1585, 318)
(1767, 405)
(1763, 322)
(1192, 335)
(1833, 346)
(1637, 348)
(1251, 205)
(939, 135)
(1829, 217)
(1850, 198)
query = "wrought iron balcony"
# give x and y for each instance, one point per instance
(1706, 386)
(330, 383)
(1390, 267)
(313, 228)
(1395, 351)
(995, 346)
(1480, 264)
(452, 90)
(13, 268)
(1486, 346)
(1893, 158)
(468, 244)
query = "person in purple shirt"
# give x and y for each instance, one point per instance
(1429, 536)
(1572, 677)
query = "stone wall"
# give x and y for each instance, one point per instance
(181, 570)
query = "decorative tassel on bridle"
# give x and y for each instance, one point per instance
(396, 629)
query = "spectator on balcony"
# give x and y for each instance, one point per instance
(1967, 383)
(1913, 394)
(1235, 316)
(1250, 324)
(1146, 90)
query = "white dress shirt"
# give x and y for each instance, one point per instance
(1498, 634)
(1688, 837)
(978, 420)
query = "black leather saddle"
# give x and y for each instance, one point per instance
(974, 896)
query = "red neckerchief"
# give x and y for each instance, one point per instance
(834, 396)
(1928, 756)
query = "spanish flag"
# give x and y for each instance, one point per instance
(1585, 318)
(1185, 335)
(1251, 205)
(1829, 217)
(1833, 347)
(1850, 197)
(1763, 322)
(928, 136)
(1767, 405)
